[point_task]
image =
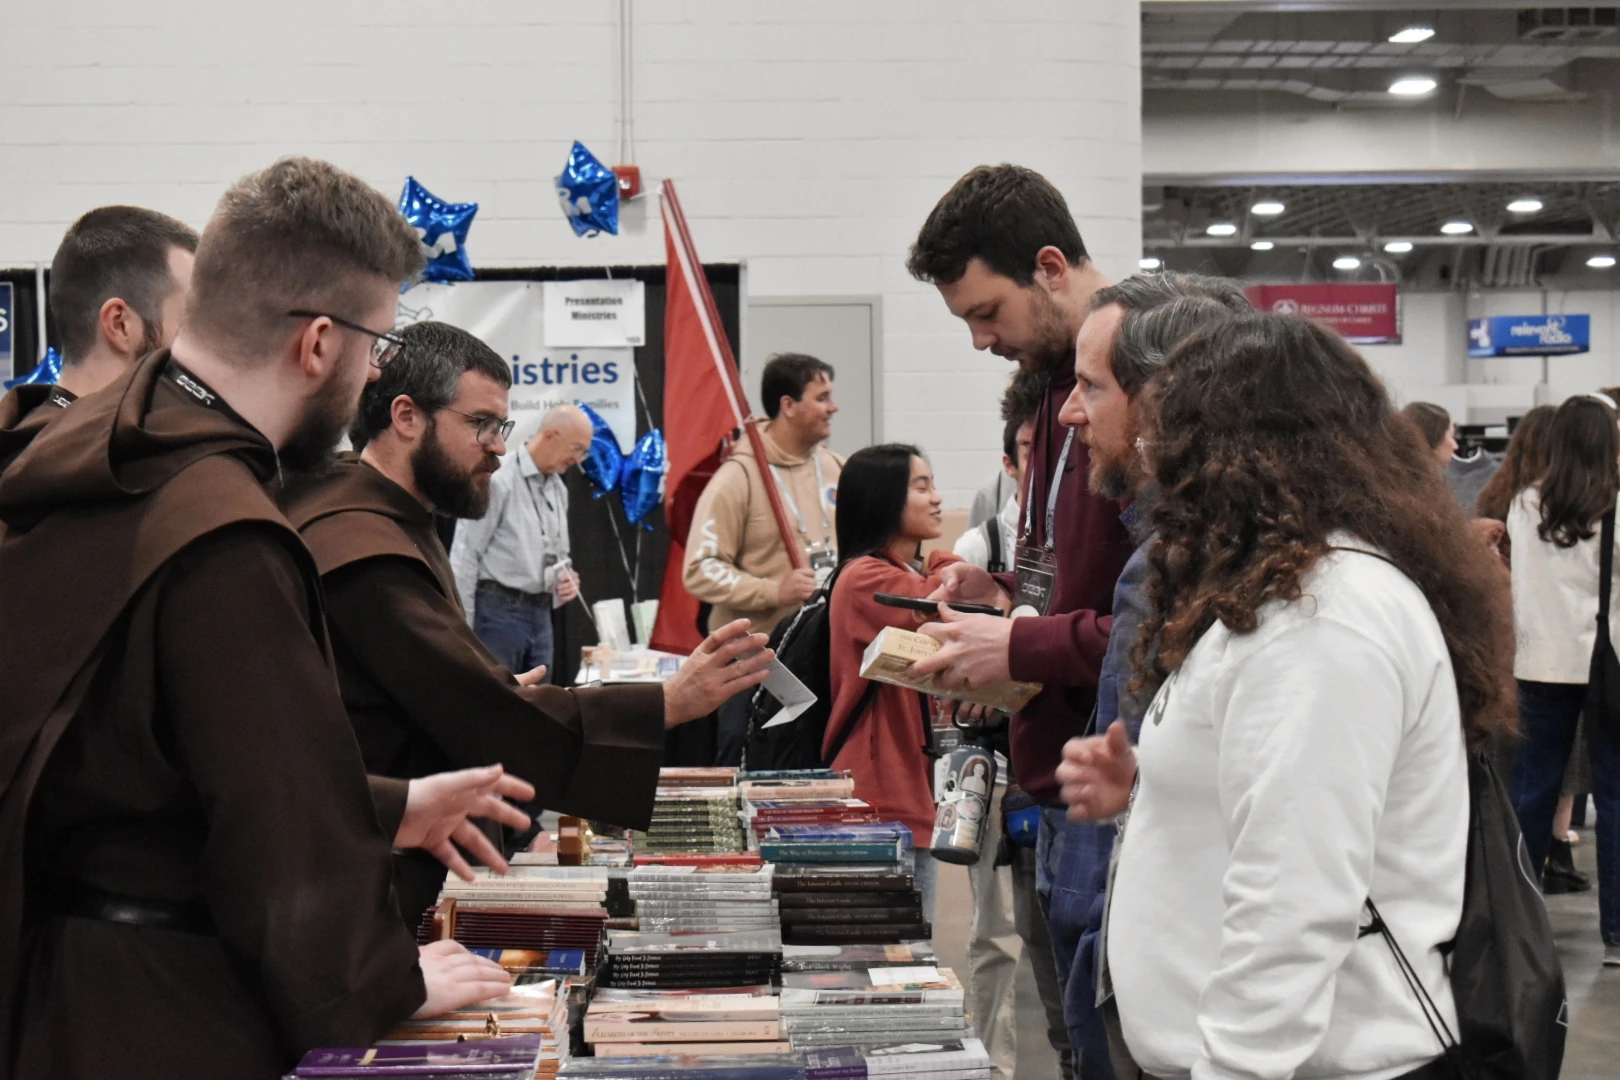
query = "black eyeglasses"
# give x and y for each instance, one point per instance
(384, 347)
(488, 426)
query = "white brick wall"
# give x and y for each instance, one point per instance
(810, 139)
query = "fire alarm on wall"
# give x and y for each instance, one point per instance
(629, 180)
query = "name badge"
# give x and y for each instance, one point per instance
(823, 562)
(1037, 573)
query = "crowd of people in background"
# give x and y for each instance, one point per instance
(1271, 615)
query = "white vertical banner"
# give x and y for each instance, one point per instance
(510, 317)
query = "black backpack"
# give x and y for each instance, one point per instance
(1512, 1015)
(804, 645)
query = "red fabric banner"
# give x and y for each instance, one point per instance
(701, 410)
(1364, 313)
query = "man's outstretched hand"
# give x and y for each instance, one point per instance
(456, 978)
(708, 677)
(440, 809)
(1097, 774)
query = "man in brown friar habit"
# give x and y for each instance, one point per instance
(118, 286)
(197, 876)
(423, 692)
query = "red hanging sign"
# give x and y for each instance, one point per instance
(1363, 313)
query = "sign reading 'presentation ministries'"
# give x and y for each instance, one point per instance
(596, 313)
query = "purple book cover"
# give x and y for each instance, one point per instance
(420, 1059)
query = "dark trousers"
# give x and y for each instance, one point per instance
(516, 629)
(1548, 716)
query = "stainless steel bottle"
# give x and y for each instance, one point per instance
(964, 805)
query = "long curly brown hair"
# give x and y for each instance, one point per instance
(1269, 435)
(1522, 465)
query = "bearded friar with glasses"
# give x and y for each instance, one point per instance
(423, 691)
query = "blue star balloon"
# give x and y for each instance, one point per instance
(601, 466)
(441, 228)
(48, 370)
(641, 484)
(589, 193)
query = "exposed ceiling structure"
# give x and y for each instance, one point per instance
(1348, 214)
(1345, 59)
(1333, 55)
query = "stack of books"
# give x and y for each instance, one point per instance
(694, 810)
(873, 1007)
(963, 1059)
(795, 784)
(639, 960)
(534, 908)
(703, 897)
(518, 1057)
(762, 815)
(840, 904)
(656, 1023)
(536, 1007)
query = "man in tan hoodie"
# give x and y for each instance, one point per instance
(735, 558)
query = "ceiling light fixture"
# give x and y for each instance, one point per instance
(1149, 263)
(1221, 228)
(1524, 206)
(1412, 86)
(1267, 208)
(1261, 245)
(1411, 35)
(1398, 247)
(1346, 262)
(1457, 228)
(1600, 262)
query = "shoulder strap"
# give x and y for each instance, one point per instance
(1606, 566)
(867, 697)
(1431, 1011)
(992, 536)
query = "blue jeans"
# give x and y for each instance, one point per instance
(1548, 713)
(517, 631)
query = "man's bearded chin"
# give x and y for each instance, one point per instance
(452, 492)
(313, 444)
(1109, 478)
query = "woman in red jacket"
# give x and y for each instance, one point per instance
(887, 507)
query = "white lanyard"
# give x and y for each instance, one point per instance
(1051, 496)
(826, 526)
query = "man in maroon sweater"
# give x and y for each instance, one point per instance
(1007, 257)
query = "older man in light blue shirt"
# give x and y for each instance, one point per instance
(512, 565)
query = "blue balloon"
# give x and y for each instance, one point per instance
(601, 466)
(589, 193)
(48, 370)
(441, 228)
(641, 484)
